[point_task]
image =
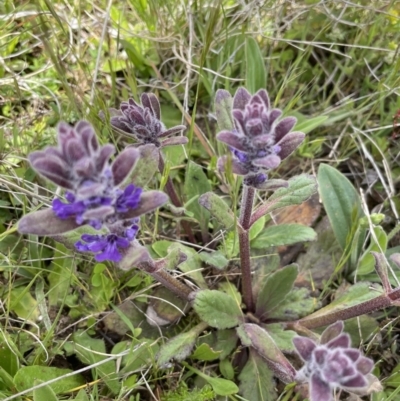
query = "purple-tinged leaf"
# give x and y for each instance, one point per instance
(272, 185)
(253, 335)
(134, 256)
(121, 124)
(274, 115)
(268, 162)
(106, 152)
(319, 390)
(332, 331)
(263, 94)
(154, 105)
(149, 201)
(74, 151)
(305, 347)
(45, 222)
(358, 381)
(289, 143)
(342, 341)
(178, 140)
(284, 127)
(365, 365)
(232, 140)
(124, 164)
(236, 166)
(172, 131)
(352, 353)
(52, 169)
(98, 213)
(241, 98)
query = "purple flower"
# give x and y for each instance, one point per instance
(108, 246)
(128, 199)
(332, 364)
(259, 141)
(143, 122)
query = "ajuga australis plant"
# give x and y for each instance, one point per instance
(263, 311)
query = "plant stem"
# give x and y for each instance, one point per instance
(170, 189)
(170, 282)
(380, 302)
(246, 209)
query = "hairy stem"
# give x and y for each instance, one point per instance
(246, 209)
(170, 189)
(380, 302)
(170, 282)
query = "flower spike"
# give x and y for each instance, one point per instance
(257, 139)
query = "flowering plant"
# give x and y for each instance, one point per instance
(103, 199)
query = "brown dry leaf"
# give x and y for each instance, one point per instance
(306, 213)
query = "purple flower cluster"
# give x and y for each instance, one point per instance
(259, 141)
(143, 122)
(332, 364)
(94, 195)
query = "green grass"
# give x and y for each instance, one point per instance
(62, 60)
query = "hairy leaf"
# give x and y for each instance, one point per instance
(218, 309)
(300, 188)
(275, 290)
(284, 234)
(218, 209)
(257, 380)
(259, 339)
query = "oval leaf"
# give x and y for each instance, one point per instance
(284, 234)
(299, 189)
(341, 202)
(275, 289)
(217, 309)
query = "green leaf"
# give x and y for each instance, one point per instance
(205, 353)
(341, 202)
(282, 338)
(226, 369)
(8, 355)
(308, 124)
(217, 309)
(255, 336)
(297, 303)
(275, 290)
(354, 295)
(215, 259)
(223, 110)
(218, 209)
(257, 380)
(81, 396)
(90, 350)
(300, 188)
(196, 184)
(178, 347)
(229, 288)
(44, 393)
(255, 66)
(257, 228)
(23, 303)
(283, 234)
(60, 277)
(26, 376)
(147, 165)
(226, 342)
(222, 387)
(379, 242)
